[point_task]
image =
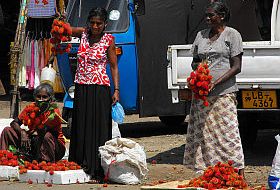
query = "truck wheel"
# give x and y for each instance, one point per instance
(248, 128)
(67, 116)
(172, 120)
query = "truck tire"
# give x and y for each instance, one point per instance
(172, 120)
(248, 128)
(67, 116)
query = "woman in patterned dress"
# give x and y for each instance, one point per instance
(213, 133)
(92, 120)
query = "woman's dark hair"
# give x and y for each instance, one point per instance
(220, 8)
(47, 87)
(97, 12)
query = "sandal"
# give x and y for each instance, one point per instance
(94, 181)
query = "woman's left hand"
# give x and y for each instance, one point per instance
(211, 86)
(116, 97)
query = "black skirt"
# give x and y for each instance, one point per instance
(91, 126)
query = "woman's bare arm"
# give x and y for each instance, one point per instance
(77, 31)
(114, 70)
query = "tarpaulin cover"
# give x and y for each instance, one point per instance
(177, 22)
(164, 23)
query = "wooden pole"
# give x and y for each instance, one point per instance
(61, 6)
(15, 59)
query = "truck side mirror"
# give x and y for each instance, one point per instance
(139, 7)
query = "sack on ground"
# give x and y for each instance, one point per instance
(115, 130)
(5, 123)
(123, 161)
(118, 113)
(274, 176)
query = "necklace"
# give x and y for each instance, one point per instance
(213, 37)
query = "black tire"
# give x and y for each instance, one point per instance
(172, 120)
(67, 116)
(248, 128)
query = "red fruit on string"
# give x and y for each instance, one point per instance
(230, 162)
(154, 162)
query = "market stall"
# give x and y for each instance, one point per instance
(31, 50)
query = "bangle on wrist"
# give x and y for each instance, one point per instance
(117, 89)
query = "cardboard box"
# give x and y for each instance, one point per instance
(8, 172)
(59, 177)
(172, 185)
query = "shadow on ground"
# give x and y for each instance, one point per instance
(261, 153)
(146, 129)
(172, 156)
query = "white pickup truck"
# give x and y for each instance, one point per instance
(258, 82)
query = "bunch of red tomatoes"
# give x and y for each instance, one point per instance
(31, 118)
(199, 81)
(61, 32)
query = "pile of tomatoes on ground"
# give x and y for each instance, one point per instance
(219, 176)
(62, 165)
(7, 158)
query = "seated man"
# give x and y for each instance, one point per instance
(43, 138)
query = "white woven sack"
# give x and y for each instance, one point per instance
(124, 161)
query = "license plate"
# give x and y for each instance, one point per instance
(262, 99)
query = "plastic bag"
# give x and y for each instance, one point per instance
(123, 161)
(118, 113)
(274, 176)
(115, 130)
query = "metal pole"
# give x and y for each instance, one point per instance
(15, 61)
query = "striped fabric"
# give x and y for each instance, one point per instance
(213, 133)
(37, 8)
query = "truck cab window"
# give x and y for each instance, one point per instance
(118, 20)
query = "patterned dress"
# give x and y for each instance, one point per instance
(213, 133)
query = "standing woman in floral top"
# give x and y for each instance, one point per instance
(92, 120)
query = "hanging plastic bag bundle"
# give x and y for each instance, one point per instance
(118, 113)
(274, 176)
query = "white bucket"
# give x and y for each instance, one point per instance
(48, 75)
